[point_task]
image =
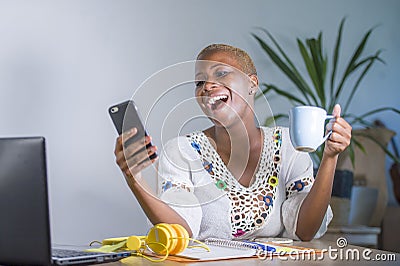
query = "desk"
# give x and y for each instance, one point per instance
(326, 259)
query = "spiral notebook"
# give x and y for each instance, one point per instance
(221, 249)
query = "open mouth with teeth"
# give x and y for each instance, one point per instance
(217, 101)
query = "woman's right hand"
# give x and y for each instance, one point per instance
(133, 158)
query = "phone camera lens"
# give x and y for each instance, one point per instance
(114, 110)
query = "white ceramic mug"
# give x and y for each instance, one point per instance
(307, 127)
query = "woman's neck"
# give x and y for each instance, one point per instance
(239, 148)
(235, 139)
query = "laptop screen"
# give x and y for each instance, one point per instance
(24, 223)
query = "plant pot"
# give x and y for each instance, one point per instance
(341, 194)
(342, 184)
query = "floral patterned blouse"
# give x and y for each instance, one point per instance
(195, 182)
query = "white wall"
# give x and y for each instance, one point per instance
(63, 63)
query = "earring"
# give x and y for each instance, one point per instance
(252, 92)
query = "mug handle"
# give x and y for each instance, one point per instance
(330, 131)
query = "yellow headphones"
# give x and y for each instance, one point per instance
(162, 239)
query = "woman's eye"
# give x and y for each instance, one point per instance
(221, 73)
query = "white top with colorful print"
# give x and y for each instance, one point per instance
(195, 182)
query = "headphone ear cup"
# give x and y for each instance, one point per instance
(164, 234)
(155, 236)
(173, 240)
(183, 238)
(135, 242)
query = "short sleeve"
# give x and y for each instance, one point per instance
(299, 178)
(175, 186)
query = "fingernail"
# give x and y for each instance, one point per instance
(148, 139)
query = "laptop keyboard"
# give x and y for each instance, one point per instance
(66, 253)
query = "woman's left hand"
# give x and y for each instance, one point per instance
(340, 137)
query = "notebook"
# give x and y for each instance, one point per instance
(217, 252)
(221, 249)
(24, 210)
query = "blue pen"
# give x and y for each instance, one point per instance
(261, 246)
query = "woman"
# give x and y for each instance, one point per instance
(234, 179)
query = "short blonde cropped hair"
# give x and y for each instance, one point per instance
(242, 57)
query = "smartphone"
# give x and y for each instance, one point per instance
(125, 116)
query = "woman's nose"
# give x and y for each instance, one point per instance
(209, 86)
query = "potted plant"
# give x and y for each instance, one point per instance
(327, 89)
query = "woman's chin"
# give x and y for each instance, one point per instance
(217, 111)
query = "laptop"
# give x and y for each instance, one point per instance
(24, 210)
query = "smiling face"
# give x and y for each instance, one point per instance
(223, 91)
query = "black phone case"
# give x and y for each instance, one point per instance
(125, 116)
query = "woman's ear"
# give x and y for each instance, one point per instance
(254, 84)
